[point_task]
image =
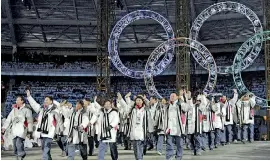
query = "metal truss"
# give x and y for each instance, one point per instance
(267, 61)
(182, 53)
(11, 26)
(105, 18)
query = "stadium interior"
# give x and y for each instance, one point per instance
(51, 47)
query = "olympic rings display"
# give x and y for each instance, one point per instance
(226, 6)
(199, 51)
(119, 27)
(238, 62)
(168, 45)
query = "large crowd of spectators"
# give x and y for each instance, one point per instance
(91, 65)
(73, 89)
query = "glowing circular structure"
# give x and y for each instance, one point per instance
(239, 62)
(120, 26)
(226, 6)
(170, 44)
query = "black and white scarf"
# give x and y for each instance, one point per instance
(43, 126)
(221, 117)
(198, 121)
(160, 119)
(228, 111)
(90, 115)
(211, 118)
(72, 127)
(105, 123)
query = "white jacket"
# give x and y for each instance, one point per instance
(113, 121)
(91, 111)
(66, 112)
(174, 121)
(220, 116)
(73, 121)
(16, 119)
(247, 116)
(53, 116)
(229, 107)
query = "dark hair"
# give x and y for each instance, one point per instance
(164, 99)
(140, 97)
(22, 98)
(154, 97)
(80, 102)
(87, 99)
(50, 97)
(106, 100)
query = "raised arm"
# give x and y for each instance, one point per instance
(235, 97)
(186, 106)
(129, 102)
(252, 101)
(36, 107)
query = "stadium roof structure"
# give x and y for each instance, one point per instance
(70, 25)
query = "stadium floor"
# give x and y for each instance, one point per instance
(238, 151)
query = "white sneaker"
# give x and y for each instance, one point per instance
(159, 153)
(235, 141)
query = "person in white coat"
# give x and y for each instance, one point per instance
(107, 119)
(48, 119)
(219, 123)
(66, 112)
(91, 110)
(61, 138)
(153, 110)
(159, 125)
(246, 104)
(175, 125)
(194, 124)
(208, 119)
(21, 121)
(236, 123)
(77, 133)
(141, 124)
(229, 105)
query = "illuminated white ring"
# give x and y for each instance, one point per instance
(238, 62)
(226, 6)
(119, 27)
(169, 44)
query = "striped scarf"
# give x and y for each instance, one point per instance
(160, 120)
(72, 127)
(43, 126)
(90, 130)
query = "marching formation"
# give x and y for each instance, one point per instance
(201, 122)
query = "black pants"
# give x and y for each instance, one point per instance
(83, 151)
(96, 140)
(91, 145)
(127, 143)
